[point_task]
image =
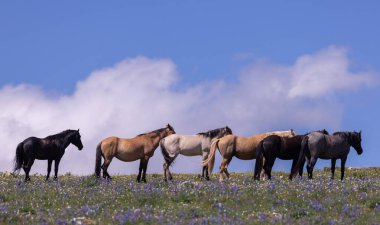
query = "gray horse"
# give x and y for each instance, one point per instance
(337, 146)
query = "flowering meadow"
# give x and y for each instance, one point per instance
(190, 200)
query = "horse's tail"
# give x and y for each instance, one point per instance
(98, 160)
(259, 160)
(19, 158)
(210, 161)
(304, 152)
(165, 154)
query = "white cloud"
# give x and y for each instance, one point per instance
(140, 94)
(324, 73)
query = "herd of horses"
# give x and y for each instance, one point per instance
(264, 147)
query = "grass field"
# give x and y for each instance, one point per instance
(189, 200)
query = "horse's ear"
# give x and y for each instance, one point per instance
(78, 130)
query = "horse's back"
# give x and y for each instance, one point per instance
(187, 145)
(109, 145)
(125, 149)
(31, 143)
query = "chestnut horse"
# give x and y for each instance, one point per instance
(242, 147)
(140, 147)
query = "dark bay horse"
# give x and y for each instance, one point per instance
(337, 146)
(140, 147)
(49, 148)
(190, 145)
(285, 148)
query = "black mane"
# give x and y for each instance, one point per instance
(211, 133)
(59, 135)
(342, 134)
(350, 136)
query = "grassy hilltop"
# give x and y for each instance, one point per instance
(189, 200)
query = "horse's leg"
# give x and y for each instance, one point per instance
(106, 163)
(140, 170)
(333, 161)
(56, 164)
(48, 169)
(270, 166)
(342, 165)
(205, 168)
(27, 168)
(310, 166)
(226, 166)
(266, 168)
(221, 168)
(293, 170)
(263, 174)
(300, 169)
(165, 167)
(145, 168)
(258, 169)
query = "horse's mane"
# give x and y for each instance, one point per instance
(211, 133)
(324, 131)
(341, 133)
(347, 134)
(59, 135)
(156, 132)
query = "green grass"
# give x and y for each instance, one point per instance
(189, 200)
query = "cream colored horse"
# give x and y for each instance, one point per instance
(241, 147)
(140, 147)
(190, 145)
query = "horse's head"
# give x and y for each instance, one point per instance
(75, 140)
(356, 142)
(169, 130)
(292, 133)
(226, 131)
(324, 131)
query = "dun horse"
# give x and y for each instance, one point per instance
(49, 148)
(140, 147)
(189, 145)
(242, 147)
(285, 148)
(336, 146)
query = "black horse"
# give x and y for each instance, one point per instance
(49, 148)
(285, 148)
(336, 146)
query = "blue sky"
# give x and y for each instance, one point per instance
(52, 46)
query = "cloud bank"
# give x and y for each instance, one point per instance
(141, 94)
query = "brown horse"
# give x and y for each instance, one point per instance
(242, 147)
(140, 147)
